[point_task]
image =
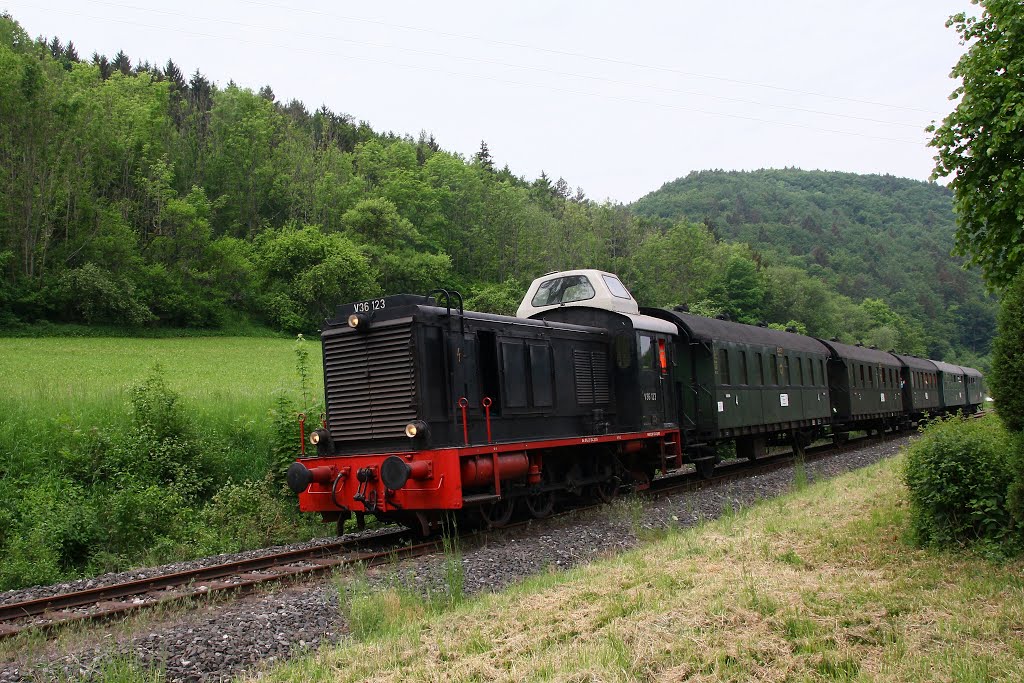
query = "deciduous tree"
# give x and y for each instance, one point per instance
(981, 143)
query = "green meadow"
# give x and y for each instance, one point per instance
(175, 425)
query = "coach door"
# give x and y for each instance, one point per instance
(655, 379)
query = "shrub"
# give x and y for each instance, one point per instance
(137, 514)
(959, 473)
(246, 515)
(50, 534)
(95, 295)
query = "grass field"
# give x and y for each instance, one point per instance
(226, 383)
(818, 585)
(77, 375)
(72, 451)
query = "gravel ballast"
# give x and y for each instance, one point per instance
(218, 641)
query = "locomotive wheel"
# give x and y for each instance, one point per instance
(706, 468)
(606, 491)
(498, 513)
(541, 505)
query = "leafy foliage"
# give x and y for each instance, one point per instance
(825, 241)
(981, 143)
(1007, 378)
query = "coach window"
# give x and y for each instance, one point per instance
(723, 366)
(810, 367)
(800, 369)
(775, 369)
(863, 383)
(821, 371)
(760, 368)
(744, 373)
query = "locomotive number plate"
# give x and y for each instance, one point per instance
(367, 306)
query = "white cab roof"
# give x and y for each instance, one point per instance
(586, 287)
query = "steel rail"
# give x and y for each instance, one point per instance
(238, 575)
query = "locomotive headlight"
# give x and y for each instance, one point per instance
(415, 428)
(358, 321)
(314, 438)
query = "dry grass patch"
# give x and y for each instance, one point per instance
(815, 586)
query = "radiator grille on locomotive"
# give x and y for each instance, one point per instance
(591, 370)
(370, 382)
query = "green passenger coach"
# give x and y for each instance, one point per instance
(866, 387)
(752, 384)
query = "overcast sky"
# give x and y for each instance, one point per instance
(615, 97)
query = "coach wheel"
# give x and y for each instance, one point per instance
(498, 513)
(541, 505)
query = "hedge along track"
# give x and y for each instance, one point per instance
(243, 576)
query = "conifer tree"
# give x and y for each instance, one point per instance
(173, 74)
(105, 67)
(483, 157)
(122, 63)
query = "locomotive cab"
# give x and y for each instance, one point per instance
(644, 362)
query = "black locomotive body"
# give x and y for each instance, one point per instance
(458, 377)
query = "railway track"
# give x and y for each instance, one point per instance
(242, 576)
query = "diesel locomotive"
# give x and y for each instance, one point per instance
(432, 409)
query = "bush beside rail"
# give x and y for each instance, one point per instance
(962, 474)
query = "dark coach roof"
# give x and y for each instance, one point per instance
(946, 367)
(861, 353)
(970, 372)
(711, 330)
(917, 363)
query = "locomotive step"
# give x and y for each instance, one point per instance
(479, 498)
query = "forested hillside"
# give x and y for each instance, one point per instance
(868, 236)
(137, 197)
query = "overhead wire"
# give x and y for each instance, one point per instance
(421, 67)
(483, 60)
(582, 55)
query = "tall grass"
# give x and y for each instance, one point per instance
(76, 455)
(51, 386)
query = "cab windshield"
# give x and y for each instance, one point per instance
(563, 290)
